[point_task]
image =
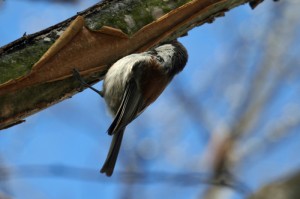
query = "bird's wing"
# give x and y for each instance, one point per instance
(132, 103)
(128, 110)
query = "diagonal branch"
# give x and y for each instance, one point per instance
(35, 70)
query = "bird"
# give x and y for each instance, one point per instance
(134, 82)
(131, 84)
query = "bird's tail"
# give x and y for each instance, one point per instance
(109, 164)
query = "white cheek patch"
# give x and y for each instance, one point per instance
(166, 52)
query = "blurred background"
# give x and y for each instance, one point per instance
(226, 127)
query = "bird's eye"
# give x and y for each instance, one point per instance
(159, 58)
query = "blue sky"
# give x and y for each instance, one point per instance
(72, 133)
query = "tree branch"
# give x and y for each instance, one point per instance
(18, 59)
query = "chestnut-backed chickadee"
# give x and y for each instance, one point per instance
(133, 83)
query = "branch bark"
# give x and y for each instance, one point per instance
(17, 59)
(281, 188)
